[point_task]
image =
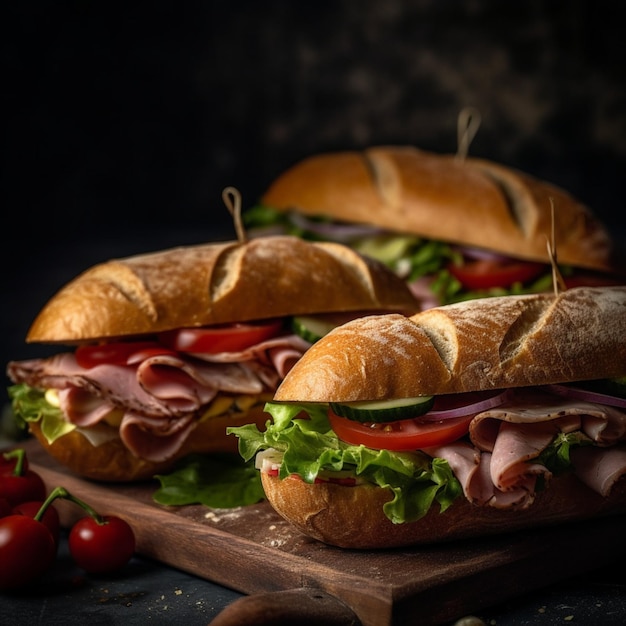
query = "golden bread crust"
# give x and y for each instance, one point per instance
(489, 343)
(471, 202)
(215, 284)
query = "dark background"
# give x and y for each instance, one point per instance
(123, 122)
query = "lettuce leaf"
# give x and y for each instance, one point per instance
(220, 481)
(302, 433)
(409, 256)
(30, 405)
(556, 456)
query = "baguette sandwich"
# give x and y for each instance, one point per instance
(164, 350)
(480, 417)
(454, 228)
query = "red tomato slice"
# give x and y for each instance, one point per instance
(119, 353)
(411, 434)
(215, 339)
(490, 273)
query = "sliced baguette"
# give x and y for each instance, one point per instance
(472, 202)
(215, 284)
(491, 343)
(494, 343)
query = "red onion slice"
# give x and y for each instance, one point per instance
(333, 230)
(587, 396)
(466, 409)
(481, 254)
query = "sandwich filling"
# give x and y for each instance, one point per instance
(437, 272)
(152, 394)
(502, 458)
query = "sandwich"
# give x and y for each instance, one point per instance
(162, 351)
(453, 227)
(480, 417)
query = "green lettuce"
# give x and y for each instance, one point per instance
(215, 480)
(309, 446)
(220, 481)
(556, 456)
(30, 405)
(407, 255)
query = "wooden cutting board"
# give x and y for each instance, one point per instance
(254, 551)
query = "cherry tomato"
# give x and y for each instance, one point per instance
(5, 507)
(50, 517)
(119, 353)
(489, 273)
(101, 548)
(27, 550)
(215, 339)
(8, 461)
(23, 487)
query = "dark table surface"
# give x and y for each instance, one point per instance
(147, 592)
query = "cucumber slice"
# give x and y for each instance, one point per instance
(384, 410)
(312, 328)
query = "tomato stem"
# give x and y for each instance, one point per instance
(20, 455)
(62, 492)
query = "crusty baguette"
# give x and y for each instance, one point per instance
(491, 343)
(111, 461)
(494, 343)
(353, 517)
(213, 284)
(195, 286)
(471, 201)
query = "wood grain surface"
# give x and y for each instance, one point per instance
(254, 551)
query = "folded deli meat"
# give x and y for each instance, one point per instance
(502, 467)
(156, 399)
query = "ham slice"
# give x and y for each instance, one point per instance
(599, 468)
(514, 447)
(82, 408)
(473, 470)
(158, 398)
(155, 439)
(499, 466)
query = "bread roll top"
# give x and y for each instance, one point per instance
(490, 343)
(216, 284)
(470, 202)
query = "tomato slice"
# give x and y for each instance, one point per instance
(411, 434)
(118, 353)
(490, 273)
(215, 339)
